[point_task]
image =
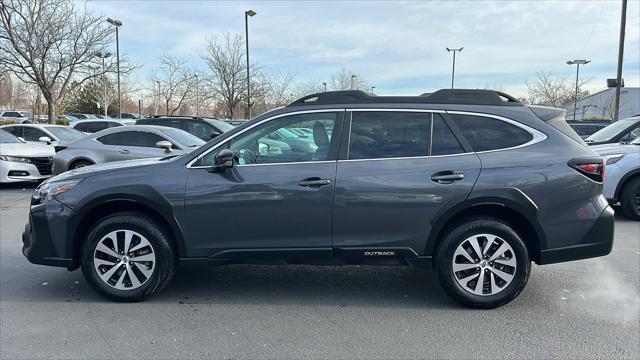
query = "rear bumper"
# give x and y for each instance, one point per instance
(597, 242)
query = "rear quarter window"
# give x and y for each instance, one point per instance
(484, 133)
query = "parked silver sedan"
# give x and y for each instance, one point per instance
(124, 143)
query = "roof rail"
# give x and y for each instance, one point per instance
(444, 96)
(174, 116)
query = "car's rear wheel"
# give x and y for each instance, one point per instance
(482, 263)
(128, 257)
(80, 164)
(630, 199)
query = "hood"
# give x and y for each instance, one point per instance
(105, 167)
(608, 149)
(26, 150)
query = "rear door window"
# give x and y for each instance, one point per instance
(484, 133)
(389, 134)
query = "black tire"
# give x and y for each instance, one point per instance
(629, 196)
(80, 164)
(155, 234)
(455, 236)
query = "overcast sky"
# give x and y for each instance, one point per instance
(397, 46)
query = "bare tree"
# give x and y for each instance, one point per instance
(551, 90)
(5, 89)
(175, 81)
(226, 60)
(346, 79)
(50, 43)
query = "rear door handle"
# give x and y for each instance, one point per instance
(125, 151)
(314, 182)
(446, 177)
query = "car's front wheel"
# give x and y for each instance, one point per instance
(630, 199)
(128, 257)
(482, 263)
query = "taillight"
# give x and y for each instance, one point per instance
(593, 168)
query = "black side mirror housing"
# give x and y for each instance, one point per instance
(224, 161)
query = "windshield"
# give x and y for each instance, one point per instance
(64, 133)
(6, 138)
(612, 130)
(220, 125)
(636, 141)
(183, 138)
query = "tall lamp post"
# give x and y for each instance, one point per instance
(117, 24)
(247, 14)
(103, 56)
(372, 88)
(453, 70)
(325, 86)
(353, 78)
(158, 97)
(197, 95)
(578, 63)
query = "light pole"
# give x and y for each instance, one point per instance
(197, 95)
(117, 24)
(353, 78)
(103, 56)
(158, 98)
(372, 88)
(623, 24)
(325, 86)
(453, 71)
(578, 63)
(247, 14)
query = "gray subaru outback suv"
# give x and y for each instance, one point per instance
(471, 183)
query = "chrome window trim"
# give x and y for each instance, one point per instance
(204, 153)
(537, 136)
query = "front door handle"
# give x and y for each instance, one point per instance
(446, 177)
(125, 151)
(314, 182)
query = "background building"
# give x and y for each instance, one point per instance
(601, 105)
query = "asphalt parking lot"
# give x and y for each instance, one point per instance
(584, 309)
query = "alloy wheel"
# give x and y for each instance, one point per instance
(124, 259)
(484, 264)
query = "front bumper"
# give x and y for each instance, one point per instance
(43, 236)
(598, 242)
(17, 172)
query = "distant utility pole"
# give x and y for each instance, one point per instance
(117, 24)
(623, 24)
(453, 71)
(247, 14)
(578, 63)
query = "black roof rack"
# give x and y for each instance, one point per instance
(445, 96)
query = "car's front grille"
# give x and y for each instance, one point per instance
(43, 164)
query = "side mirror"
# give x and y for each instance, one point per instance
(214, 134)
(224, 161)
(164, 144)
(45, 139)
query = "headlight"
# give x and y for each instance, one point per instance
(48, 190)
(15, 159)
(613, 158)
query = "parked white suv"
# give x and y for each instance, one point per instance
(622, 180)
(13, 116)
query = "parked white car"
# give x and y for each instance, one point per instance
(14, 116)
(56, 135)
(622, 175)
(20, 161)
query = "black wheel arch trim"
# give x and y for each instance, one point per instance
(623, 180)
(510, 198)
(139, 195)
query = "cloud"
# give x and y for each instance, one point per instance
(397, 46)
